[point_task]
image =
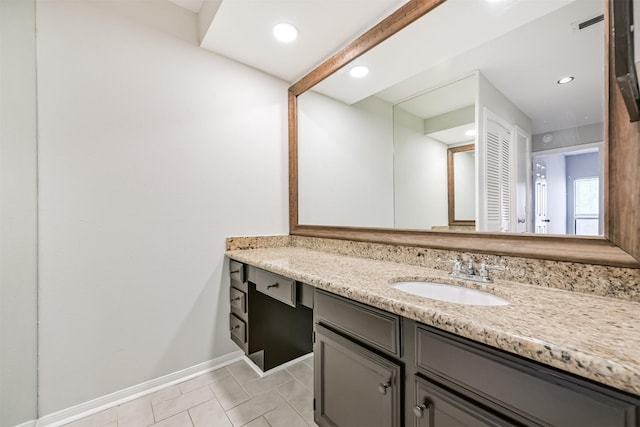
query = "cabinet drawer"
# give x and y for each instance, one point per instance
(236, 271)
(238, 300)
(367, 324)
(238, 330)
(437, 406)
(276, 286)
(539, 394)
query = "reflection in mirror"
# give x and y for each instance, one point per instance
(569, 181)
(345, 162)
(461, 166)
(424, 127)
(367, 156)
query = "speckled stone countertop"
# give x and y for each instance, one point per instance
(591, 336)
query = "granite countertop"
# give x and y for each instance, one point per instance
(591, 336)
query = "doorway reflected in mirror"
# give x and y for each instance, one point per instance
(568, 197)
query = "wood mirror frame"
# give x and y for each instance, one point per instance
(451, 187)
(620, 245)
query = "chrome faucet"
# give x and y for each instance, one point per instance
(467, 270)
(456, 265)
(484, 270)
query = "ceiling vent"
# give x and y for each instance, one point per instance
(581, 25)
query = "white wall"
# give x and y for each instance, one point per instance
(420, 179)
(570, 137)
(345, 162)
(18, 213)
(491, 98)
(151, 152)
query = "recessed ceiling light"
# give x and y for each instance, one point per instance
(471, 132)
(359, 71)
(284, 32)
(565, 80)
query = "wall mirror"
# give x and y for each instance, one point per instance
(368, 156)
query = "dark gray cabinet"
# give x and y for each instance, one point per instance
(374, 368)
(271, 317)
(521, 389)
(239, 297)
(438, 407)
(354, 386)
(358, 373)
(371, 326)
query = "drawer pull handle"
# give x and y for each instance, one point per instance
(275, 285)
(235, 327)
(382, 388)
(236, 299)
(418, 410)
(234, 272)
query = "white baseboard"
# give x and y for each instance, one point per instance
(130, 393)
(259, 371)
(31, 423)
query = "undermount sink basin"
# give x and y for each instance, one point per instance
(450, 293)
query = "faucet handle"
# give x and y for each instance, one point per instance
(457, 264)
(469, 263)
(454, 261)
(484, 269)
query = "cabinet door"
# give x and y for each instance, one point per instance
(438, 407)
(354, 387)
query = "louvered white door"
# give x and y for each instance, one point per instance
(499, 174)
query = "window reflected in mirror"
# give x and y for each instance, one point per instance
(568, 194)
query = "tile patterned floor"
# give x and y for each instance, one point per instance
(232, 396)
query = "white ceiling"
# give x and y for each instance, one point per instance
(455, 135)
(431, 43)
(444, 99)
(241, 30)
(522, 49)
(542, 43)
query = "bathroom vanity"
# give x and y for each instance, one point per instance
(387, 358)
(270, 316)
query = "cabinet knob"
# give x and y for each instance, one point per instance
(382, 388)
(275, 285)
(419, 409)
